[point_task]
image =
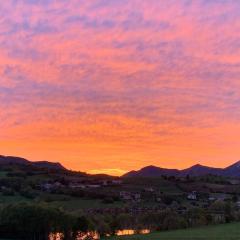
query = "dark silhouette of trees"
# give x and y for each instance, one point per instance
(29, 221)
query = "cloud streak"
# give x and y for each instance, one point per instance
(120, 84)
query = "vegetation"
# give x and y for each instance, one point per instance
(36, 202)
(31, 221)
(38, 221)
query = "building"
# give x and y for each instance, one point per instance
(192, 195)
(129, 196)
(238, 204)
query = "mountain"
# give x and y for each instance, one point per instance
(152, 171)
(233, 170)
(196, 170)
(50, 165)
(200, 170)
(12, 160)
(6, 160)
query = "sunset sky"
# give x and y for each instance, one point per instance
(115, 85)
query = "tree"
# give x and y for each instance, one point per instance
(31, 221)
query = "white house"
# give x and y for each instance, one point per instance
(192, 195)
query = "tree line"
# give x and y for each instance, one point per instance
(32, 221)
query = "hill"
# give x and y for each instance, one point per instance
(233, 170)
(196, 170)
(200, 170)
(152, 171)
(6, 160)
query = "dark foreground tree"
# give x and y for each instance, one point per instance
(30, 221)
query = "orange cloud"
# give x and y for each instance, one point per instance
(109, 86)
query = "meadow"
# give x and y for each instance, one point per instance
(230, 231)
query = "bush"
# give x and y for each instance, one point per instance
(27, 193)
(8, 192)
(108, 200)
(173, 222)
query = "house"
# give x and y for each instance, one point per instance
(125, 195)
(149, 189)
(111, 182)
(238, 204)
(137, 197)
(234, 181)
(50, 186)
(105, 182)
(117, 182)
(128, 196)
(211, 199)
(192, 195)
(47, 187)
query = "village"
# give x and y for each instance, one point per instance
(147, 197)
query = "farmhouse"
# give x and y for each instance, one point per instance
(192, 195)
(149, 189)
(129, 196)
(117, 182)
(50, 186)
(238, 204)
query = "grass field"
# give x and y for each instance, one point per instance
(75, 204)
(71, 204)
(229, 231)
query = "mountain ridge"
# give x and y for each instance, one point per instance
(232, 170)
(4, 160)
(195, 170)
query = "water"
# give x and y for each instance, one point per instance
(59, 236)
(132, 231)
(95, 235)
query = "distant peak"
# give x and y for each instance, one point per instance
(236, 164)
(150, 166)
(198, 166)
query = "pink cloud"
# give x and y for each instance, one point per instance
(119, 76)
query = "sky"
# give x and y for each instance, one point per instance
(114, 85)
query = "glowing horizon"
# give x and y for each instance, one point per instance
(112, 86)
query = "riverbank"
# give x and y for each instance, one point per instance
(230, 231)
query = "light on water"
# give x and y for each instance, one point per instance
(95, 235)
(80, 236)
(131, 232)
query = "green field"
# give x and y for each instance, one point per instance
(75, 204)
(229, 231)
(71, 204)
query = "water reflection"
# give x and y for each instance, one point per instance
(95, 235)
(80, 236)
(132, 231)
(56, 236)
